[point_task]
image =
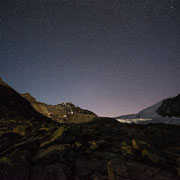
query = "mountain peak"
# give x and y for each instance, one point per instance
(64, 112)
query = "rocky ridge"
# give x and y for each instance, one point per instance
(62, 113)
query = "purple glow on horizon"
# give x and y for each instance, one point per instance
(112, 58)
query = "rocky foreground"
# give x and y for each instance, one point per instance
(33, 146)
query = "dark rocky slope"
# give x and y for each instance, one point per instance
(12, 105)
(34, 147)
(170, 107)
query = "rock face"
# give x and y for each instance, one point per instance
(13, 105)
(170, 107)
(33, 147)
(65, 112)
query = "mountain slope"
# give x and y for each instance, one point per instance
(153, 114)
(13, 105)
(65, 112)
(150, 112)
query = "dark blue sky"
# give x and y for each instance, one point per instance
(112, 57)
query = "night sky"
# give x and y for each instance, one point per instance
(113, 57)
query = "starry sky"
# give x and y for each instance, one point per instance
(112, 57)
